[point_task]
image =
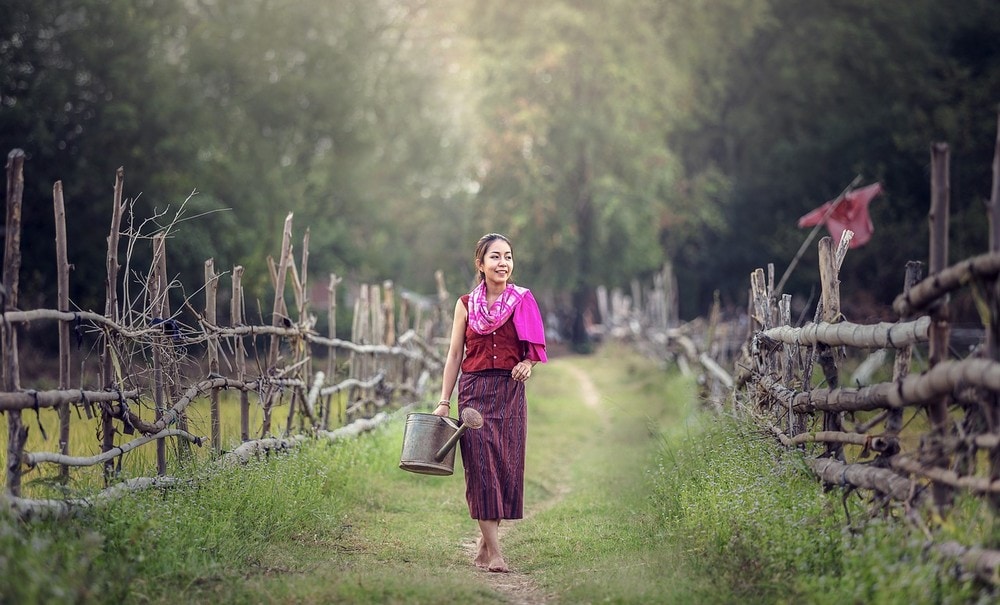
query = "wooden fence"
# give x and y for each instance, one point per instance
(912, 442)
(145, 363)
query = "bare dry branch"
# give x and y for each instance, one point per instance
(35, 458)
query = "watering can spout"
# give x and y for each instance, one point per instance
(471, 419)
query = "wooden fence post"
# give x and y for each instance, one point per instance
(361, 334)
(62, 272)
(830, 299)
(992, 345)
(302, 349)
(211, 293)
(901, 364)
(108, 374)
(389, 313)
(236, 318)
(279, 314)
(331, 360)
(16, 431)
(760, 320)
(156, 293)
(937, 410)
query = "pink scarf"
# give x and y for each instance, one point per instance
(516, 301)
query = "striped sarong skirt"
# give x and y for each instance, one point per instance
(493, 456)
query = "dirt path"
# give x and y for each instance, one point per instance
(517, 587)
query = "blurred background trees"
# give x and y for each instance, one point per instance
(606, 138)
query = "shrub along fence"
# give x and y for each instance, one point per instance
(144, 364)
(911, 442)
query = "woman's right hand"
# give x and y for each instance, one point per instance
(443, 409)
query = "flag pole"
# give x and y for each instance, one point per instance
(812, 235)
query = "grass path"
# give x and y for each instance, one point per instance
(603, 419)
(341, 523)
(596, 424)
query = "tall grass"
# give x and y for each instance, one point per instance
(754, 517)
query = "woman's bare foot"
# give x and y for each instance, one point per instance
(482, 559)
(498, 565)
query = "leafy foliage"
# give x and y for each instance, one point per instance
(790, 102)
(606, 138)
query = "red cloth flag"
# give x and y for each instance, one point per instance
(851, 213)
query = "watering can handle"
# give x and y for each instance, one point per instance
(441, 453)
(470, 419)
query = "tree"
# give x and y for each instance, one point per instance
(575, 164)
(329, 110)
(75, 88)
(789, 102)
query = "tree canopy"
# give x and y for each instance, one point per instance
(605, 138)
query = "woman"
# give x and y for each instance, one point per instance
(496, 339)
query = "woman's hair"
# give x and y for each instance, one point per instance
(484, 244)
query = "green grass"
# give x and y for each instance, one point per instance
(752, 516)
(44, 481)
(651, 500)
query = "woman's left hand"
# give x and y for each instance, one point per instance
(521, 372)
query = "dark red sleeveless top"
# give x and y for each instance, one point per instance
(499, 350)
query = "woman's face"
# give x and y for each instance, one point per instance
(498, 262)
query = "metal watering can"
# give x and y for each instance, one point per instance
(429, 441)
